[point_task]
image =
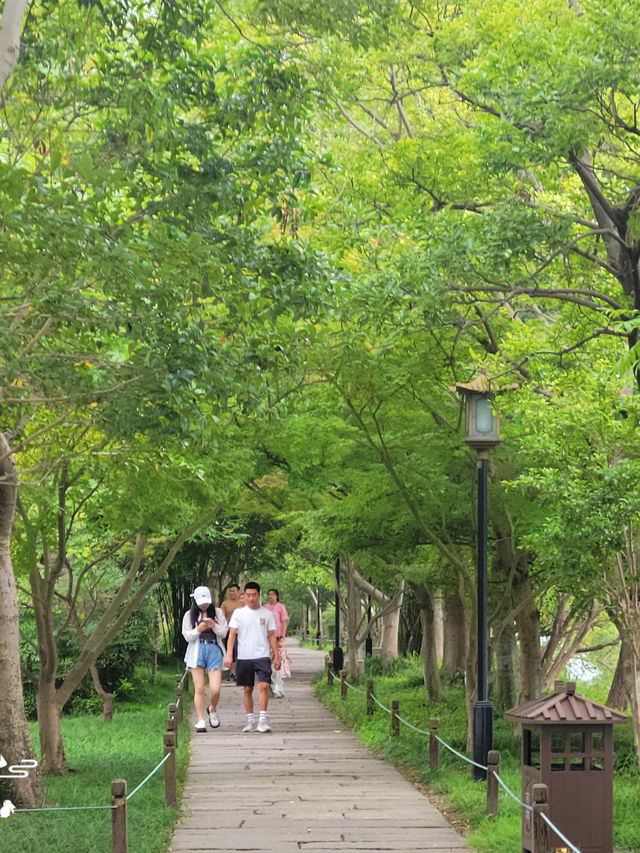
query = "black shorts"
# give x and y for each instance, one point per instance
(247, 670)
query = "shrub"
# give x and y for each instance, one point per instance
(116, 664)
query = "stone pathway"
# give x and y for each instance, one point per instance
(310, 785)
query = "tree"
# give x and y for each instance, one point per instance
(89, 577)
(583, 470)
(142, 175)
(502, 183)
(14, 738)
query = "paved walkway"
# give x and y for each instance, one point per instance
(310, 785)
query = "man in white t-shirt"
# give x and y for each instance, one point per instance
(255, 628)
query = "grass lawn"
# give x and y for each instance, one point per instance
(452, 787)
(127, 748)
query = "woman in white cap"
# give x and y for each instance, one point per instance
(204, 634)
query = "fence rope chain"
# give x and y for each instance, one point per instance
(558, 833)
(378, 702)
(180, 685)
(510, 792)
(461, 755)
(144, 781)
(87, 808)
(354, 688)
(63, 809)
(109, 807)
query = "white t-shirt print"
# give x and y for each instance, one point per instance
(253, 627)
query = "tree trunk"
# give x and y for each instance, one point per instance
(438, 625)
(622, 600)
(391, 624)
(353, 617)
(315, 593)
(505, 691)
(528, 626)
(10, 27)
(388, 615)
(428, 654)
(154, 668)
(15, 744)
(49, 729)
(511, 571)
(470, 675)
(107, 698)
(632, 676)
(618, 697)
(454, 644)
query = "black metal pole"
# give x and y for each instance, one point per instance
(338, 656)
(482, 711)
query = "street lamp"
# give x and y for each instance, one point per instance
(482, 433)
(338, 654)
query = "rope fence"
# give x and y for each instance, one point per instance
(559, 834)
(119, 795)
(538, 809)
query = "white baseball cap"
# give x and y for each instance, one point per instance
(201, 595)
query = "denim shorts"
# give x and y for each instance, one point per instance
(209, 655)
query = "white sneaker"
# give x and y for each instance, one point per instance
(250, 727)
(201, 726)
(263, 726)
(214, 719)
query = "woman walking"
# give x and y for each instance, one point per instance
(204, 627)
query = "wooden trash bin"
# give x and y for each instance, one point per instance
(567, 744)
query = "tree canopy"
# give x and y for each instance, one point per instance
(247, 252)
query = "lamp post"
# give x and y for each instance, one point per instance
(338, 655)
(482, 433)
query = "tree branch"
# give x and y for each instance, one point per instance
(358, 126)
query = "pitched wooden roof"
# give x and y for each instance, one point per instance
(564, 707)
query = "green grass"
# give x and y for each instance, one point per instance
(310, 643)
(453, 784)
(127, 748)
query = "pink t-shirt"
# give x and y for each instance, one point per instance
(279, 614)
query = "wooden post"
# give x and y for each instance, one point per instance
(434, 753)
(179, 700)
(395, 722)
(170, 787)
(493, 766)
(540, 828)
(343, 684)
(327, 663)
(370, 704)
(119, 816)
(172, 723)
